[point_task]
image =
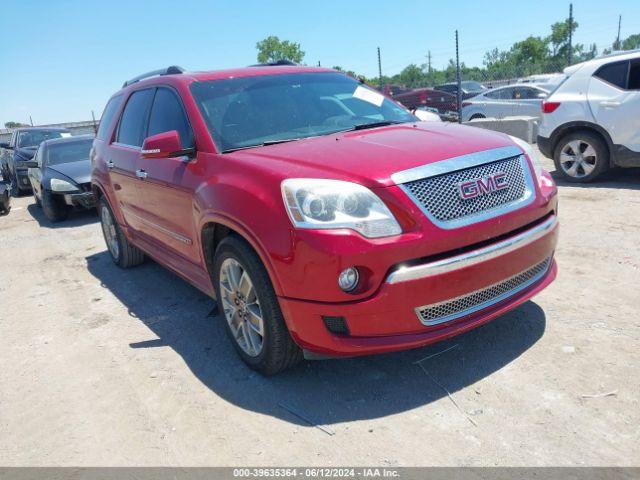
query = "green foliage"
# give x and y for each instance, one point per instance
(272, 49)
(632, 42)
(14, 125)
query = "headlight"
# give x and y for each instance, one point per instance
(531, 153)
(323, 204)
(58, 185)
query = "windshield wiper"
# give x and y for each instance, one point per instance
(363, 126)
(263, 144)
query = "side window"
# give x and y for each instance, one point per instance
(614, 73)
(634, 75)
(507, 93)
(167, 114)
(133, 123)
(495, 94)
(107, 117)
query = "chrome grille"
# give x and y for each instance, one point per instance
(467, 304)
(438, 196)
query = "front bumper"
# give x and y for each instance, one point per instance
(544, 145)
(83, 200)
(23, 178)
(389, 320)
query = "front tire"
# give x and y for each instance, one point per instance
(477, 116)
(53, 208)
(581, 157)
(253, 318)
(122, 252)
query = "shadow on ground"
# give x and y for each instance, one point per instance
(619, 178)
(324, 392)
(77, 218)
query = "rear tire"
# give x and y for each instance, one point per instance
(35, 197)
(253, 318)
(15, 188)
(53, 208)
(581, 157)
(123, 253)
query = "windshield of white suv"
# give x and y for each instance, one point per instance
(248, 112)
(33, 138)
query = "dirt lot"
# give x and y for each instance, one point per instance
(100, 366)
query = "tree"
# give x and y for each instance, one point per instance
(14, 125)
(411, 76)
(632, 42)
(272, 49)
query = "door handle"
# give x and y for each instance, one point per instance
(141, 174)
(609, 104)
(110, 164)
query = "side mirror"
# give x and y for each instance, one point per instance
(5, 145)
(163, 145)
(31, 164)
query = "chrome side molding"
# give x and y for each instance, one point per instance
(405, 274)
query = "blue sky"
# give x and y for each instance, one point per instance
(61, 59)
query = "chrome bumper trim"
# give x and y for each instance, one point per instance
(405, 274)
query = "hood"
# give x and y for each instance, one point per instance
(26, 153)
(370, 157)
(79, 172)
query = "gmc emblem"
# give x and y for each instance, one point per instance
(483, 186)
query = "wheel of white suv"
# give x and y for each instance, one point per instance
(250, 308)
(122, 252)
(581, 157)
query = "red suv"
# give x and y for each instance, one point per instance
(324, 218)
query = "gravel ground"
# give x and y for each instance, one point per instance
(101, 366)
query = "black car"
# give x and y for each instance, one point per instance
(5, 197)
(60, 176)
(20, 149)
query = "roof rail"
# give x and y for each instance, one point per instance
(172, 70)
(277, 63)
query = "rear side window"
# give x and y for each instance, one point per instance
(634, 75)
(167, 114)
(133, 123)
(495, 94)
(614, 73)
(107, 117)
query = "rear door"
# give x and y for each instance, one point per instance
(124, 154)
(614, 99)
(168, 186)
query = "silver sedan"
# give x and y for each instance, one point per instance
(509, 101)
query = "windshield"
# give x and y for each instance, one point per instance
(251, 111)
(68, 152)
(33, 138)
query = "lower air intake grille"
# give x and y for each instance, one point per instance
(480, 299)
(336, 324)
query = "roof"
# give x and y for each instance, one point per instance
(596, 62)
(55, 129)
(73, 138)
(252, 71)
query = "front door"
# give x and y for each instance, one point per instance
(168, 184)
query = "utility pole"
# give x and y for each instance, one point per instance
(31, 120)
(95, 125)
(319, 63)
(458, 81)
(380, 72)
(618, 47)
(429, 61)
(570, 53)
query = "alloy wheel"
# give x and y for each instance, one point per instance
(578, 158)
(241, 307)
(110, 233)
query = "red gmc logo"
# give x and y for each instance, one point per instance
(483, 186)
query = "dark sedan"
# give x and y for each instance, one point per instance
(60, 176)
(15, 154)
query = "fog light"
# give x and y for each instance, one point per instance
(348, 279)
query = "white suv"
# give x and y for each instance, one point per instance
(591, 122)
